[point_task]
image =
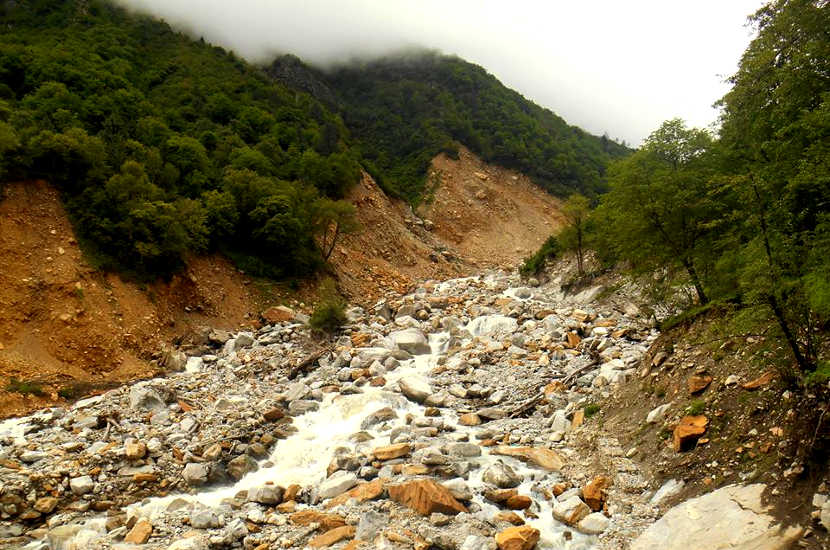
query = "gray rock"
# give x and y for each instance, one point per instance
(81, 485)
(191, 543)
(459, 488)
(464, 450)
(658, 414)
(267, 494)
(235, 530)
(415, 388)
(195, 473)
(502, 476)
(243, 340)
(370, 525)
(492, 413)
(411, 340)
(297, 390)
(241, 465)
(593, 524)
(669, 489)
(338, 483)
(302, 406)
(146, 398)
(570, 510)
(205, 519)
(730, 517)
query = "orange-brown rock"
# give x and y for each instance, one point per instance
(510, 517)
(391, 452)
(559, 488)
(698, 383)
(274, 414)
(327, 521)
(573, 339)
(518, 502)
(759, 382)
(578, 419)
(332, 536)
(554, 387)
(523, 537)
(688, 431)
(291, 492)
(140, 533)
(594, 492)
(540, 456)
(500, 495)
(469, 419)
(278, 314)
(414, 469)
(287, 507)
(425, 497)
(363, 492)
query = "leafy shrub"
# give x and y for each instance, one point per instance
(532, 265)
(330, 312)
(25, 387)
(591, 409)
(696, 407)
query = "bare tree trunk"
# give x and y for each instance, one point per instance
(690, 269)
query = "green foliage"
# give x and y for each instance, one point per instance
(406, 109)
(591, 409)
(330, 312)
(696, 407)
(532, 265)
(25, 387)
(148, 135)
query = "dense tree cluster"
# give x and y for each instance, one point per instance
(162, 145)
(745, 214)
(406, 109)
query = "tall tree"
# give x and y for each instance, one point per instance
(658, 207)
(576, 211)
(776, 131)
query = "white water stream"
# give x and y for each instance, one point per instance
(303, 457)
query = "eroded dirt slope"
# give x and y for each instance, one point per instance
(63, 322)
(489, 214)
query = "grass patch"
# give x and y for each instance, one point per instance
(25, 387)
(696, 407)
(591, 409)
(685, 317)
(820, 376)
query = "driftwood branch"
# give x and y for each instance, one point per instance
(305, 365)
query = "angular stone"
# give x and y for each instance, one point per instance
(523, 537)
(698, 383)
(140, 533)
(509, 517)
(425, 497)
(332, 537)
(274, 414)
(502, 476)
(518, 502)
(411, 340)
(415, 388)
(241, 465)
(594, 492)
(544, 458)
(500, 496)
(309, 516)
(759, 382)
(363, 492)
(338, 483)
(391, 452)
(195, 473)
(469, 419)
(146, 398)
(571, 510)
(657, 414)
(267, 494)
(593, 524)
(730, 517)
(81, 485)
(688, 431)
(135, 450)
(45, 505)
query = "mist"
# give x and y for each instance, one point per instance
(607, 66)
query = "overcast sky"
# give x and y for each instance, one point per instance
(613, 66)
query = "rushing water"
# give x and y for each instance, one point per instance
(303, 457)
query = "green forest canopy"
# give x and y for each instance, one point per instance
(162, 145)
(403, 110)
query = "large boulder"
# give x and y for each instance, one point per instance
(571, 510)
(502, 476)
(426, 497)
(732, 517)
(523, 537)
(493, 326)
(411, 340)
(539, 456)
(415, 388)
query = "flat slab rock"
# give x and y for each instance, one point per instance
(730, 518)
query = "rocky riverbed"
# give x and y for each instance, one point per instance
(440, 419)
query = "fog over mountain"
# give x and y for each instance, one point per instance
(607, 66)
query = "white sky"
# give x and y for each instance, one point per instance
(605, 65)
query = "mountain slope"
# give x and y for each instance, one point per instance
(406, 109)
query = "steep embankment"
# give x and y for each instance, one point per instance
(66, 326)
(478, 215)
(63, 323)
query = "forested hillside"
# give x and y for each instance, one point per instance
(405, 109)
(162, 145)
(741, 218)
